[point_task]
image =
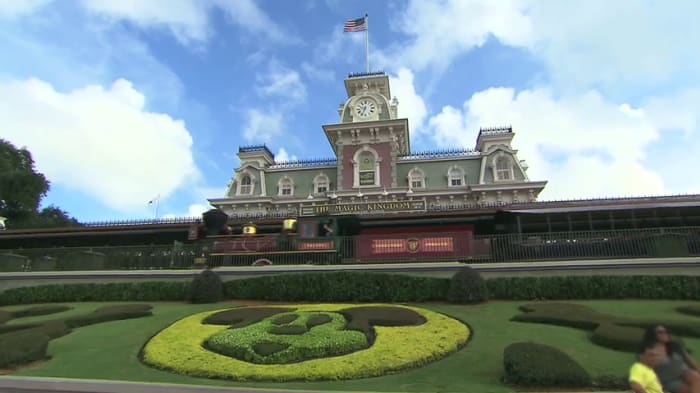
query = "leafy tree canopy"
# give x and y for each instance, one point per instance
(21, 190)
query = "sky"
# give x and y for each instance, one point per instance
(121, 102)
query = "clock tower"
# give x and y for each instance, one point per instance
(369, 137)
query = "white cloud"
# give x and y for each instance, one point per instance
(262, 126)
(281, 81)
(442, 30)
(634, 44)
(283, 156)
(15, 8)
(411, 105)
(249, 16)
(101, 142)
(583, 144)
(314, 72)
(188, 20)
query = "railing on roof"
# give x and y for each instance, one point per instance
(441, 153)
(304, 163)
(616, 199)
(143, 221)
(255, 148)
(496, 130)
(365, 74)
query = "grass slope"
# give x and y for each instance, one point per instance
(108, 351)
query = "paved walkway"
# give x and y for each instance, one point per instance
(9, 384)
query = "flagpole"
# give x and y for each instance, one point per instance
(367, 40)
(157, 204)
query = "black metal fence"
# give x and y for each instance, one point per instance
(385, 248)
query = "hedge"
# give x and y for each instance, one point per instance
(532, 364)
(370, 287)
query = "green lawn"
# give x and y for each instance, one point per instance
(109, 350)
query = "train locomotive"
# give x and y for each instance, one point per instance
(334, 239)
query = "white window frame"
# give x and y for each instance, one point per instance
(416, 175)
(321, 180)
(240, 187)
(356, 167)
(455, 173)
(285, 183)
(500, 172)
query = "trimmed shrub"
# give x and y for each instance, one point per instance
(595, 287)
(244, 316)
(622, 338)
(317, 320)
(467, 287)
(285, 319)
(22, 347)
(40, 310)
(693, 310)
(289, 330)
(23, 343)
(207, 288)
(339, 287)
(128, 291)
(110, 313)
(532, 364)
(561, 314)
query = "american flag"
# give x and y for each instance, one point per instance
(354, 25)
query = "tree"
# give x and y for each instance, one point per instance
(21, 190)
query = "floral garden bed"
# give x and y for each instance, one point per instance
(305, 342)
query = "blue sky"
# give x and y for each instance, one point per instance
(121, 101)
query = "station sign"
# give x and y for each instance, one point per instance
(364, 208)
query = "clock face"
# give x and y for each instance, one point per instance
(365, 108)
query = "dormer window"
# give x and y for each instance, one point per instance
(321, 184)
(504, 169)
(246, 185)
(455, 177)
(416, 179)
(286, 187)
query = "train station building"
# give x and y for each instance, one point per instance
(374, 170)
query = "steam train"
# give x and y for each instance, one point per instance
(333, 240)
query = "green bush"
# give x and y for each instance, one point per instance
(339, 287)
(207, 288)
(40, 310)
(467, 287)
(128, 291)
(22, 347)
(621, 338)
(110, 313)
(370, 287)
(595, 287)
(532, 364)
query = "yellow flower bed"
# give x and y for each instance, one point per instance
(179, 348)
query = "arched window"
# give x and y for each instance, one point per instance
(416, 179)
(321, 184)
(366, 168)
(504, 170)
(366, 163)
(246, 185)
(286, 187)
(455, 177)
